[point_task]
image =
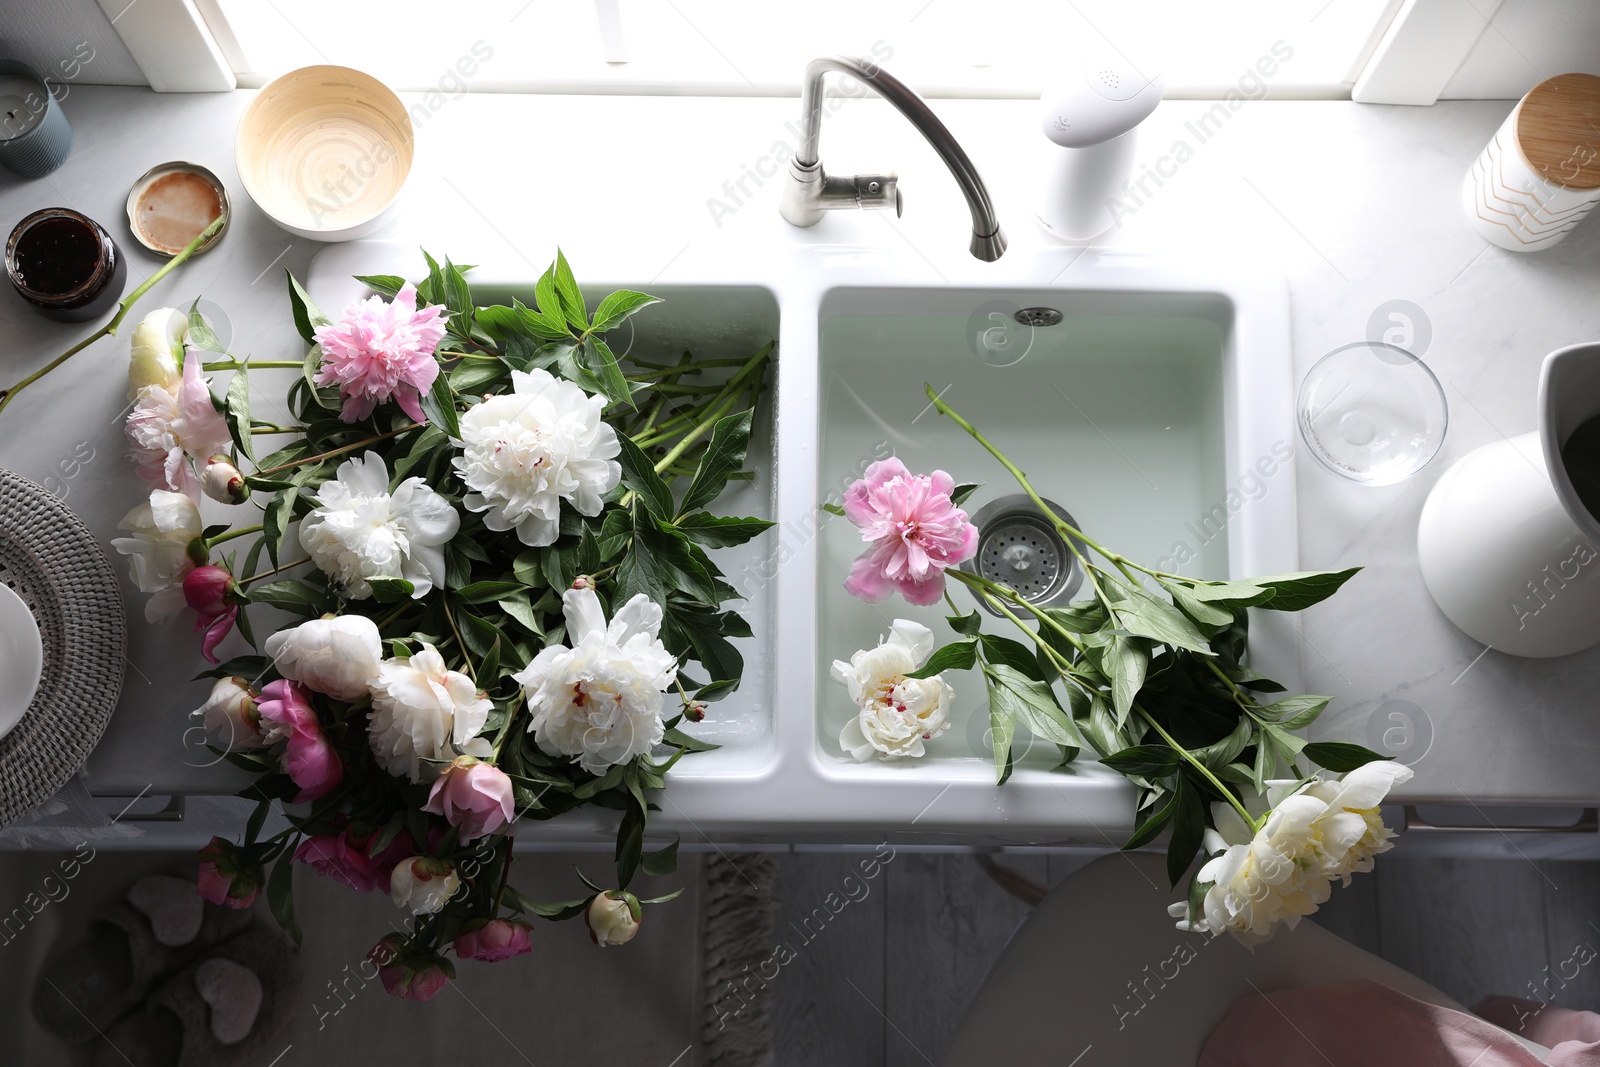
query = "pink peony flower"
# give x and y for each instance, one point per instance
(914, 529)
(495, 940)
(308, 759)
(211, 592)
(222, 880)
(380, 352)
(337, 856)
(343, 856)
(405, 977)
(169, 430)
(475, 797)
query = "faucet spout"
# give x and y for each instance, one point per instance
(810, 193)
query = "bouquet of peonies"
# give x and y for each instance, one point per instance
(485, 550)
(1153, 670)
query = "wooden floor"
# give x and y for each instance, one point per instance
(884, 954)
(888, 980)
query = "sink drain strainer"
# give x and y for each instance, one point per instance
(1018, 547)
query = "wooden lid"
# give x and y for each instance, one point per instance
(1558, 130)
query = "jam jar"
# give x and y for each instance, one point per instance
(65, 264)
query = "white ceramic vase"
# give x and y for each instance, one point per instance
(1507, 549)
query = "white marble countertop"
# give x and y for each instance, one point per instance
(1356, 205)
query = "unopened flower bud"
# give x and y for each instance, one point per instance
(583, 581)
(694, 711)
(223, 482)
(613, 917)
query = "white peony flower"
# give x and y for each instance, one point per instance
(613, 917)
(157, 354)
(1322, 832)
(230, 716)
(524, 452)
(600, 700)
(897, 714)
(337, 656)
(422, 885)
(422, 710)
(359, 530)
(158, 552)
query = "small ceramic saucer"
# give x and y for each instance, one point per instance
(21, 658)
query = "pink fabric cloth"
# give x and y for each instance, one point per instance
(1561, 1030)
(1364, 1024)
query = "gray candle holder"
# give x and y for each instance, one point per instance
(35, 137)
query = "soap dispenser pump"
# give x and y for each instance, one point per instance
(1092, 116)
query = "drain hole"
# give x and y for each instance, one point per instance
(1019, 548)
(1038, 317)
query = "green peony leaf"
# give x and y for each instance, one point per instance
(1030, 702)
(237, 413)
(1340, 756)
(1296, 592)
(1144, 761)
(1014, 654)
(1144, 614)
(1153, 824)
(718, 531)
(956, 656)
(391, 590)
(307, 316)
(1188, 830)
(730, 440)
(639, 475)
(959, 494)
(387, 284)
(598, 359)
(1125, 660)
(618, 306)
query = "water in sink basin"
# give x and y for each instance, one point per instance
(1117, 414)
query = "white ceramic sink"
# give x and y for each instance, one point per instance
(1153, 413)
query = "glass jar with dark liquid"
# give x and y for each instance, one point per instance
(65, 265)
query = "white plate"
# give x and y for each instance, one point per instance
(21, 658)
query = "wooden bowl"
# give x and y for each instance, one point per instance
(325, 151)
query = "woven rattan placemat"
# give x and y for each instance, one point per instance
(52, 561)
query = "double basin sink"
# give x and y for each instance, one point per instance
(1157, 411)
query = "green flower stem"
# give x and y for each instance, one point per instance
(693, 390)
(341, 450)
(730, 391)
(242, 531)
(124, 306)
(995, 589)
(275, 570)
(1239, 696)
(659, 370)
(720, 407)
(253, 364)
(1249, 820)
(393, 615)
(267, 427)
(505, 731)
(466, 657)
(1067, 530)
(1065, 667)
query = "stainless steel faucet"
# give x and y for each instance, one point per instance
(811, 193)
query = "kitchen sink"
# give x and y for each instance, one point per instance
(1158, 412)
(1115, 413)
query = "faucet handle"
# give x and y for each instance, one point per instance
(877, 191)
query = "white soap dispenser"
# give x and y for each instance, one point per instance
(1092, 115)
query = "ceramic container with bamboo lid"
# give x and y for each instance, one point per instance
(1540, 174)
